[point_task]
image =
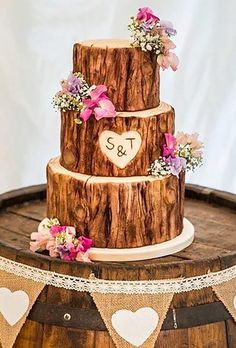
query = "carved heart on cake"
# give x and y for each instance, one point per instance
(135, 327)
(13, 305)
(120, 149)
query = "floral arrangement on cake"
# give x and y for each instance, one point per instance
(153, 34)
(60, 241)
(77, 95)
(183, 152)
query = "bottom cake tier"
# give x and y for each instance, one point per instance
(117, 212)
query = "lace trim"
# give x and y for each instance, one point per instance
(111, 286)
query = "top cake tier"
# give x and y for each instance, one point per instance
(131, 75)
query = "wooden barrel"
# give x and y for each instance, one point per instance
(202, 321)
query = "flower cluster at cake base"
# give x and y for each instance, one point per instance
(76, 95)
(152, 34)
(60, 241)
(183, 152)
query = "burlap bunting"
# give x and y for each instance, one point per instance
(17, 296)
(226, 292)
(133, 319)
(136, 317)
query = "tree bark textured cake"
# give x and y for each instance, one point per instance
(101, 184)
(131, 75)
(117, 212)
(80, 150)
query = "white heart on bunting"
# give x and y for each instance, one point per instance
(120, 149)
(13, 305)
(135, 327)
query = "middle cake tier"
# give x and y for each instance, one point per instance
(123, 146)
(117, 212)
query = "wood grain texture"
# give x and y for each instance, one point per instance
(80, 150)
(117, 213)
(131, 75)
(19, 219)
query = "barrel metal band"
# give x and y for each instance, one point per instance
(90, 319)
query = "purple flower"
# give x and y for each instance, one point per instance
(168, 27)
(73, 84)
(62, 249)
(68, 252)
(147, 26)
(176, 164)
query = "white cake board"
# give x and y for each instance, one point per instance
(148, 252)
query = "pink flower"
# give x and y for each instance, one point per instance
(99, 92)
(99, 105)
(145, 14)
(84, 257)
(168, 60)
(60, 241)
(170, 146)
(85, 113)
(167, 43)
(65, 88)
(56, 229)
(70, 257)
(52, 248)
(105, 109)
(85, 243)
(192, 139)
(72, 252)
(40, 240)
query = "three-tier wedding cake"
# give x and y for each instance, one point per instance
(120, 178)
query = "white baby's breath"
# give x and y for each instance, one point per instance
(72, 101)
(159, 168)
